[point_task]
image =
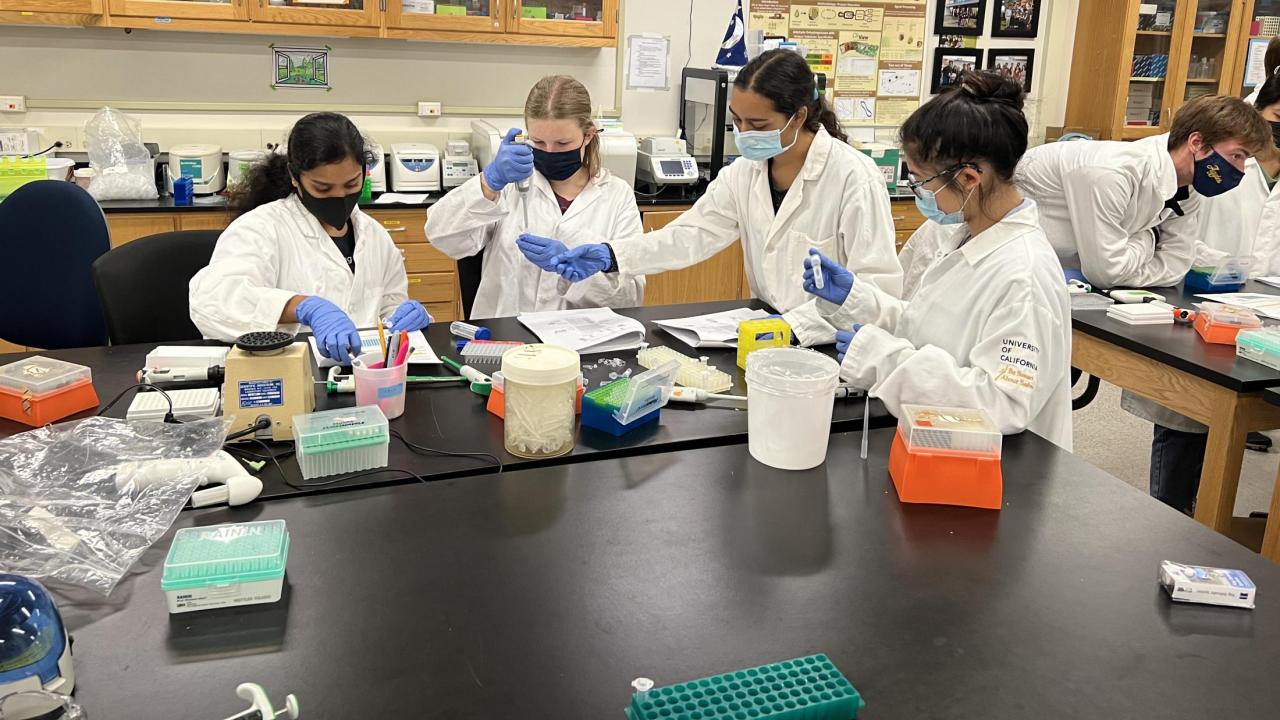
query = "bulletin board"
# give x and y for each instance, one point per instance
(871, 51)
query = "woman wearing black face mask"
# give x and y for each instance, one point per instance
(536, 199)
(301, 253)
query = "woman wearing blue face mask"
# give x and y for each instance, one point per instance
(796, 185)
(986, 320)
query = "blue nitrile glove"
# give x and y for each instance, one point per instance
(837, 280)
(583, 261)
(410, 316)
(541, 251)
(513, 163)
(336, 335)
(843, 339)
(1075, 275)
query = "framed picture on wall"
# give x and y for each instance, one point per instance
(1014, 64)
(950, 63)
(959, 17)
(1015, 18)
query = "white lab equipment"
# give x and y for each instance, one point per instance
(459, 166)
(664, 161)
(377, 169)
(415, 167)
(268, 378)
(261, 707)
(187, 356)
(142, 474)
(239, 162)
(36, 653)
(202, 163)
(57, 168)
(618, 153)
(486, 139)
(790, 399)
(187, 405)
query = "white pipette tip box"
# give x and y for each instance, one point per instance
(225, 565)
(1208, 585)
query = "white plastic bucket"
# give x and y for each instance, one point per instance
(59, 168)
(384, 387)
(790, 397)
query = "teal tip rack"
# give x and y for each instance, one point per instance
(807, 688)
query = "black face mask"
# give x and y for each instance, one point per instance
(332, 211)
(557, 166)
(1275, 132)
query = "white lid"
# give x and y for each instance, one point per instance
(541, 364)
(948, 430)
(413, 148)
(85, 172)
(195, 150)
(41, 374)
(57, 162)
(792, 369)
(249, 155)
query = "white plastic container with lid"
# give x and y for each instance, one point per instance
(346, 440)
(790, 398)
(40, 375)
(239, 162)
(84, 176)
(949, 431)
(59, 168)
(201, 163)
(540, 394)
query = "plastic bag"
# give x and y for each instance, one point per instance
(62, 515)
(125, 168)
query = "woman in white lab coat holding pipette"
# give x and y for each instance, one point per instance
(539, 198)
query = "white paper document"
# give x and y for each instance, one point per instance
(1262, 304)
(590, 330)
(1272, 280)
(420, 352)
(401, 199)
(718, 330)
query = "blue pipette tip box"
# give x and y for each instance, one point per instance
(807, 687)
(599, 406)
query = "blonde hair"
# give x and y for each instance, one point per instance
(560, 97)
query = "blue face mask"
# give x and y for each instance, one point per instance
(1214, 175)
(927, 204)
(762, 144)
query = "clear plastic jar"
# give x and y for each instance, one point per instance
(540, 392)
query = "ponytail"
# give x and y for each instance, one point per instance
(822, 115)
(785, 79)
(322, 138)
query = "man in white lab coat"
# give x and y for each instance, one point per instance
(1125, 214)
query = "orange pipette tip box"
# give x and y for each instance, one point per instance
(947, 456)
(1219, 324)
(40, 390)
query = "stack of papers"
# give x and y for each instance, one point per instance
(714, 330)
(591, 330)
(420, 352)
(1259, 303)
(1145, 314)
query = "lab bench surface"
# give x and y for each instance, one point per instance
(453, 419)
(544, 593)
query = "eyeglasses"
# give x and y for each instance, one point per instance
(916, 186)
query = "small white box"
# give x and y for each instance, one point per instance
(174, 356)
(187, 405)
(1208, 585)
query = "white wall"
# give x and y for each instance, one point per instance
(198, 87)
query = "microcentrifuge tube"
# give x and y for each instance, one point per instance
(815, 264)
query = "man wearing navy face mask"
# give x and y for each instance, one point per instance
(1125, 214)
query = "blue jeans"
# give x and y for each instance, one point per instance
(1176, 461)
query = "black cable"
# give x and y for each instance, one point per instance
(423, 450)
(263, 423)
(167, 418)
(689, 55)
(54, 146)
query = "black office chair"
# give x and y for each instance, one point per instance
(50, 234)
(143, 286)
(469, 281)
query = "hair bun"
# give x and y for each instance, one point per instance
(988, 86)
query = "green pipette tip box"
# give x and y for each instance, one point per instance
(222, 565)
(807, 688)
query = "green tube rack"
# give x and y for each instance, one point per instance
(807, 688)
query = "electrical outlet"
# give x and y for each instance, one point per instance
(430, 109)
(13, 103)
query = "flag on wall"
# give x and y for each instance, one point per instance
(733, 50)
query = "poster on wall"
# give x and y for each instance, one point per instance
(871, 51)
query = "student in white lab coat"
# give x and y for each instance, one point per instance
(797, 185)
(989, 324)
(571, 200)
(302, 253)
(1125, 214)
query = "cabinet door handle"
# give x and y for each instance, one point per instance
(398, 229)
(899, 218)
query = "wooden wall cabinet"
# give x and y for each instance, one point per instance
(186, 9)
(39, 7)
(470, 16)
(356, 13)
(1261, 21)
(1136, 62)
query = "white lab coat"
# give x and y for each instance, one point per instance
(989, 327)
(466, 222)
(837, 204)
(1101, 203)
(1244, 222)
(279, 250)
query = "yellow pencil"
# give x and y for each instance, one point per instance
(382, 340)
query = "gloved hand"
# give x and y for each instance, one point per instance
(410, 316)
(513, 163)
(541, 251)
(837, 280)
(843, 339)
(1075, 275)
(336, 335)
(583, 261)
